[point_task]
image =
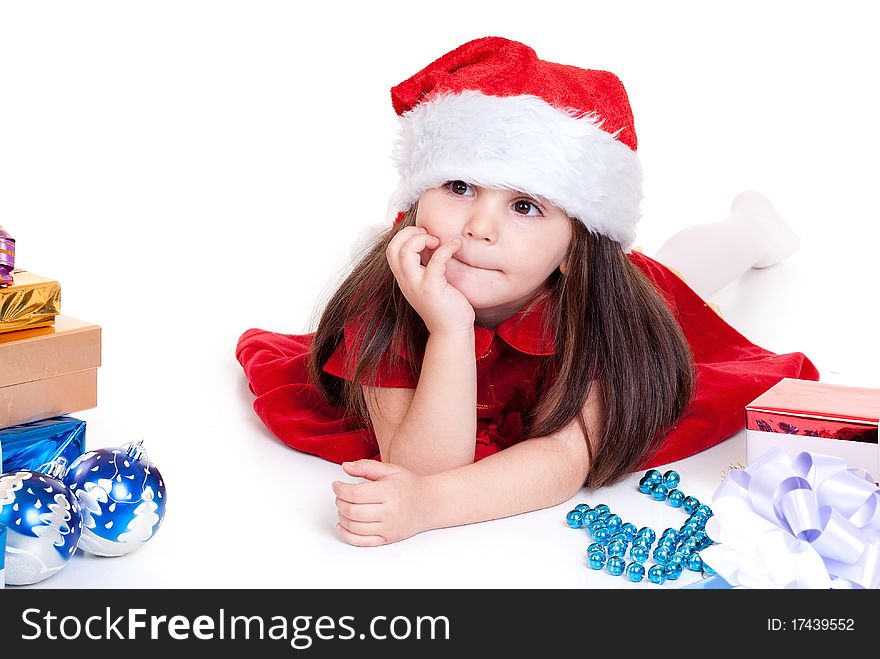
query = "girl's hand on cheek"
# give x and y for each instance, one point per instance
(442, 306)
(388, 506)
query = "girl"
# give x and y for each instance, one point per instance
(505, 304)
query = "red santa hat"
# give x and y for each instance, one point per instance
(492, 114)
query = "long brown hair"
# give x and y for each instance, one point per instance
(610, 326)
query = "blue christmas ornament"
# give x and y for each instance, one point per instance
(43, 522)
(602, 509)
(596, 546)
(590, 516)
(582, 507)
(575, 519)
(645, 485)
(122, 497)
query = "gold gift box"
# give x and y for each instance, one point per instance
(31, 301)
(49, 371)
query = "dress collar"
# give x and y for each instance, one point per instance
(522, 331)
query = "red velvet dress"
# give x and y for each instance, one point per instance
(731, 372)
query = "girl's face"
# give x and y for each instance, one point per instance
(511, 243)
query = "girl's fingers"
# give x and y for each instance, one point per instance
(410, 256)
(359, 512)
(436, 268)
(359, 540)
(363, 492)
(361, 528)
(395, 251)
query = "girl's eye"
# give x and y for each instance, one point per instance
(457, 187)
(533, 205)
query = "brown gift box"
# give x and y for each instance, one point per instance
(31, 301)
(49, 371)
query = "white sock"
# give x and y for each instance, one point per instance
(774, 233)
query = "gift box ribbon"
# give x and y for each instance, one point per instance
(7, 257)
(803, 523)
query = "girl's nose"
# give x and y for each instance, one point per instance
(482, 226)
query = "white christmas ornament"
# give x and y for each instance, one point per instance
(43, 523)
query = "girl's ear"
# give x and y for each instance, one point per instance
(563, 265)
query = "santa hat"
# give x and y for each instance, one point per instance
(492, 114)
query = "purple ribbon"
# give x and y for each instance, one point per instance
(803, 523)
(7, 257)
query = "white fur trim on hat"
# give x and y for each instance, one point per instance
(520, 143)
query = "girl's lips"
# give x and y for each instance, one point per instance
(475, 267)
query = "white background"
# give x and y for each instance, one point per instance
(188, 170)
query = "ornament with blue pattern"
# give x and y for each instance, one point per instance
(122, 497)
(43, 522)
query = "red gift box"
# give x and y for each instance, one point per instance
(802, 415)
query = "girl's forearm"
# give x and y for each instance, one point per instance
(439, 429)
(534, 474)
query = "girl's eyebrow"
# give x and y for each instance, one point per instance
(541, 200)
(521, 193)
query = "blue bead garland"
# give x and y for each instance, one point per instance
(635, 571)
(675, 551)
(575, 519)
(657, 574)
(616, 565)
(596, 560)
